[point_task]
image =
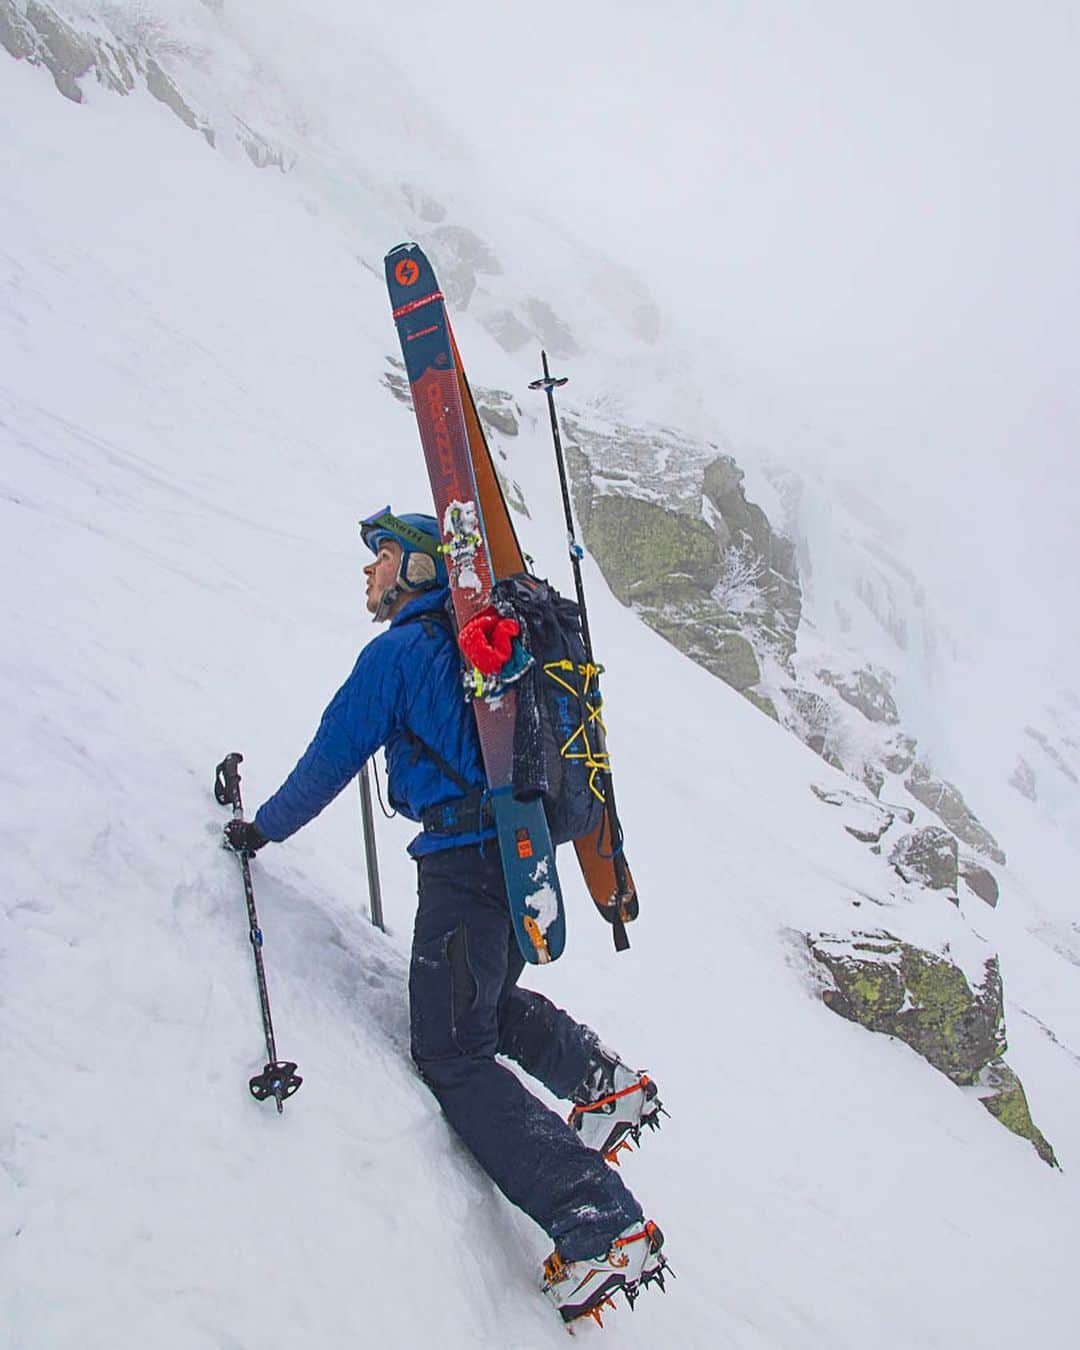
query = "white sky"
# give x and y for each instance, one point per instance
(870, 195)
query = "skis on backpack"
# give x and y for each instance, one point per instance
(600, 853)
(432, 367)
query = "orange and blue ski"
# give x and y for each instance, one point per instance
(431, 363)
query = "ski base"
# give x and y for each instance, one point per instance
(532, 883)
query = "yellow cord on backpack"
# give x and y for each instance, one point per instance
(596, 761)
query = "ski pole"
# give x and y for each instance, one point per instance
(279, 1078)
(625, 898)
(549, 384)
(371, 857)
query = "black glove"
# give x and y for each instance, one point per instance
(244, 836)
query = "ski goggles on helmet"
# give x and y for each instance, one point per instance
(384, 524)
(421, 562)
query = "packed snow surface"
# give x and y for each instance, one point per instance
(191, 424)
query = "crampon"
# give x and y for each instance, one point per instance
(614, 1105)
(581, 1289)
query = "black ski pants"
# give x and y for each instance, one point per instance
(465, 1009)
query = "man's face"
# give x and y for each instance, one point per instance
(382, 572)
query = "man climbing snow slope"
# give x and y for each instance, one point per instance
(404, 693)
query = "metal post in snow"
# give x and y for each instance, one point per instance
(371, 857)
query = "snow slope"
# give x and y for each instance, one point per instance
(191, 421)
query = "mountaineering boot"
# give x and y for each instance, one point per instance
(632, 1262)
(612, 1105)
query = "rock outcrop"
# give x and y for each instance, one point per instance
(864, 818)
(949, 806)
(463, 259)
(980, 879)
(119, 61)
(747, 538)
(867, 691)
(899, 754)
(649, 552)
(929, 857)
(1003, 1095)
(684, 547)
(923, 999)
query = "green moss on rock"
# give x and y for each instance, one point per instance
(1007, 1102)
(762, 702)
(647, 551)
(697, 626)
(956, 1028)
(924, 1000)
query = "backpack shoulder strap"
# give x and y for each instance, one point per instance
(421, 747)
(433, 621)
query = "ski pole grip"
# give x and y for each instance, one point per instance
(227, 781)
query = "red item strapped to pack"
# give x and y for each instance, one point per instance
(485, 640)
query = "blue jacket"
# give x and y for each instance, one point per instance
(408, 678)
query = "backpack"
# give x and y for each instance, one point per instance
(560, 752)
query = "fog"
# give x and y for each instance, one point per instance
(874, 204)
(869, 212)
(874, 209)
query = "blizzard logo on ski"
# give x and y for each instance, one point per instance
(524, 843)
(443, 443)
(566, 717)
(407, 272)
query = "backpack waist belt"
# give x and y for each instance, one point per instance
(468, 814)
(463, 815)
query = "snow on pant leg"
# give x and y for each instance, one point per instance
(547, 1042)
(460, 962)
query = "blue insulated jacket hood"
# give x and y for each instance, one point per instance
(407, 679)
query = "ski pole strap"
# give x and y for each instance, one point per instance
(463, 815)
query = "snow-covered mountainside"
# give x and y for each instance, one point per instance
(198, 399)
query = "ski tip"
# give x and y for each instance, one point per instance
(402, 250)
(408, 272)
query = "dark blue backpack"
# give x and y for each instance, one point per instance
(560, 752)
